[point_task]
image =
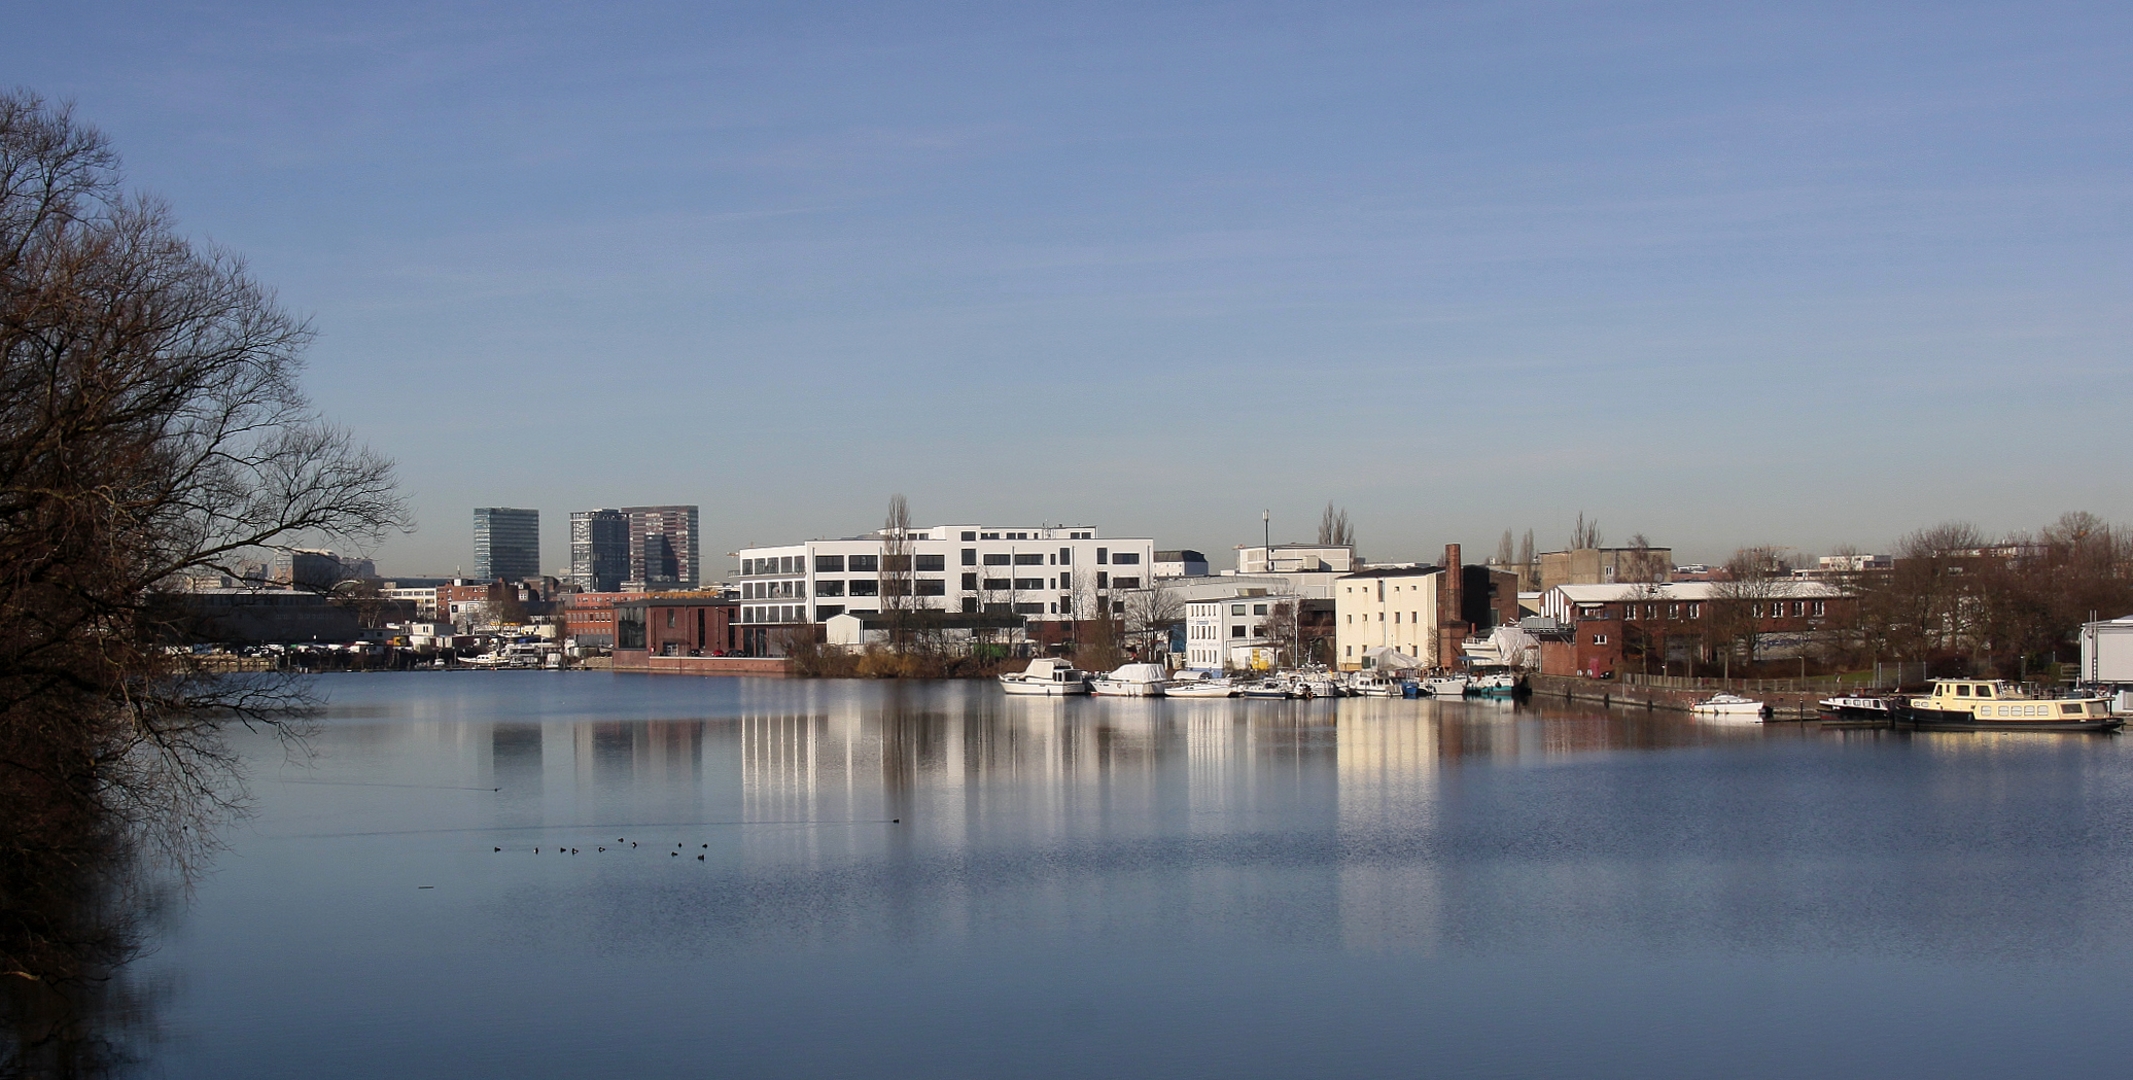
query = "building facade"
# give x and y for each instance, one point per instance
(1605, 566)
(599, 550)
(1297, 558)
(1662, 628)
(1422, 611)
(507, 543)
(664, 548)
(1052, 575)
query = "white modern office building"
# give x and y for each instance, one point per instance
(1046, 573)
(1229, 631)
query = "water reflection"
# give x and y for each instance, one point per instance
(934, 879)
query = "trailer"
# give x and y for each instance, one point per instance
(2107, 653)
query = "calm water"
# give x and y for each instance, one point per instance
(1120, 888)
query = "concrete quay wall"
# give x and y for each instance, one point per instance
(773, 666)
(1784, 705)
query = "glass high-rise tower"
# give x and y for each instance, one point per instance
(599, 550)
(507, 543)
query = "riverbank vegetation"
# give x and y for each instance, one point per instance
(151, 425)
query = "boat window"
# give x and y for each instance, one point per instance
(2070, 710)
(1984, 691)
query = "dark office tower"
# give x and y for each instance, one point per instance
(599, 550)
(663, 546)
(507, 543)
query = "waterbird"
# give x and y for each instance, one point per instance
(603, 849)
(573, 851)
(707, 845)
(633, 843)
(700, 858)
(498, 849)
(673, 854)
(896, 821)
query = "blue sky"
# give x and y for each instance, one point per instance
(1724, 274)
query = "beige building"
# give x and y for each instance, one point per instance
(1605, 566)
(1393, 608)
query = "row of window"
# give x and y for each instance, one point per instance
(867, 564)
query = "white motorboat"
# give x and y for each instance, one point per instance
(1133, 680)
(1313, 683)
(1371, 684)
(1445, 686)
(1266, 688)
(1046, 678)
(1728, 707)
(1200, 684)
(1493, 684)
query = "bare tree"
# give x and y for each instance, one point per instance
(151, 425)
(1151, 613)
(1334, 529)
(1529, 573)
(1503, 552)
(899, 578)
(1585, 534)
(1755, 577)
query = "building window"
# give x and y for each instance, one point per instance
(1258, 609)
(1029, 609)
(1351, 650)
(629, 628)
(932, 586)
(1819, 611)
(932, 563)
(1118, 607)
(864, 564)
(1236, 631)
(829, 588)
(998, 584)
(1599, 639)
(1103, 555)
(1695, 611)
(1028, 584)
(866, 588)
(825, 612)
(1126, 558)
(829, 564)
(1066, 556)
(670, 618)
(970, 583)
(1396, 618)
(1126, 583)
(970, 605)
(1236, 609)
(1029, 560)
(997, 558)
(1066, 582)
(1756, 610)
(969, 536)
(970, 556)
(1673, 611)
(785, 564)
(1103, 580)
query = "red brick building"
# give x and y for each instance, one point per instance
(1665, 628)
(667, 625)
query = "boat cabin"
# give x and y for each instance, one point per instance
(1996, 699)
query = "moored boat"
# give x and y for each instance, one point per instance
(1266, 688)
(1855, 708)
(1997, 705)
(1046, 678)
(1445, 686)
(1493, 684)
(1132, 680)
(1728, 707)
(1199, 684)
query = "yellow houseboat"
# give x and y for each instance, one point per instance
(1997, 705)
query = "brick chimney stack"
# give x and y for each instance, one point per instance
(1451, 606)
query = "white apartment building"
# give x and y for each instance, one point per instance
(1053, 572)
(1297, 558)
(1392, 608)
(1222, 632)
